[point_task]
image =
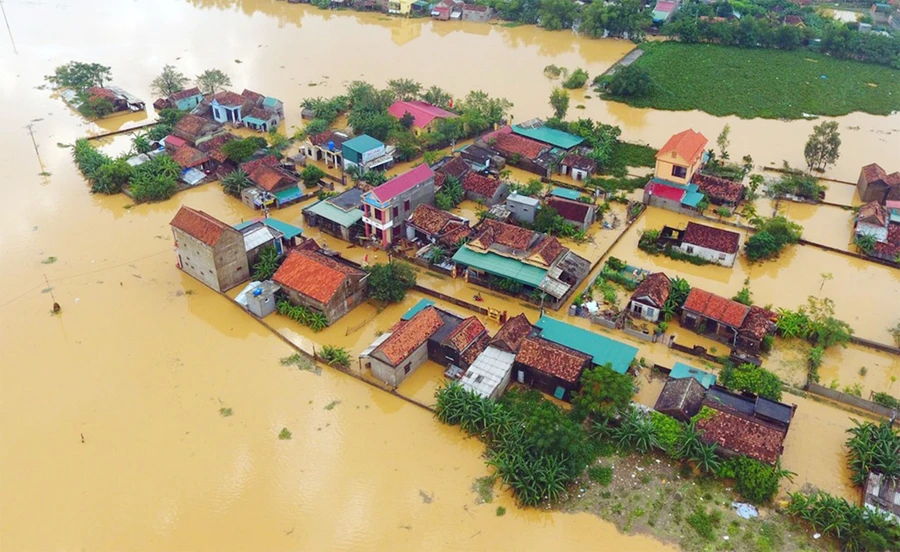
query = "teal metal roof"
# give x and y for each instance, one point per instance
(601, 348)
(254, 120)
(270, 101)
(289, 194)
(692, 196)
(422, 304)
(289, 230)
(682, 371)
(565, 193)
(328, 211)
(501, 266)
(362, 143)
(550, 136)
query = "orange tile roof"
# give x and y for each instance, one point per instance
(105, 93)
(656, 286)
(510, 144)
(182, 94)
(188, 157)
(429, 219)
(192, 124)
(478, 184)
(198, 224)
(511, 334)
(410, 336)
(716, 308)
(270, 179)
(492, 231)
(213, 147)
(470, 354)
(464, 334)
(687, 144)
(550, 358)
(548, 250)
(313, 274)
(749, 437)
(229, 98)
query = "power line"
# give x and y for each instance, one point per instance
(2, 9)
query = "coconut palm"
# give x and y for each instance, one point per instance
(705, 458)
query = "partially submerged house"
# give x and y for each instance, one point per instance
(663, 10)
(432, 225)
(273, 181)
(535, 129)
(291, 235)
(579, 167)
(875, 184)
(487, 190)
(366, 153)
(649, 298)
(195, 129)
(577, 213)
(386, 208)
(339, 216)
(476, 12)
(249, 108)
(550, 367)
(326, 284)
(740, 326)
(424, 115)
(680, 157)
(209, 250)
(455, 167)
(713, 244)
(882, 496)
(519, 151)
(883, 225)
(489, 375)
(482, 159)
(183, 100)
(325, 146)
(194, 164)
(257, 236)
(680, 399)
(602, 350)
(534, 260)
(120, 99)
(683, 371)
(522, 208)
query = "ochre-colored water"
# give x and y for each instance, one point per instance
(110, 431)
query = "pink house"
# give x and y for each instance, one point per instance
(424, 114)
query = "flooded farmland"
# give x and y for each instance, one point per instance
(112, 435)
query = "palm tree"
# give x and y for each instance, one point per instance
(235, 182)
(705, 458)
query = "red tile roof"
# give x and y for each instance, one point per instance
(873, 172)
(475, 8)
(510, 144)
(726, 191)
(250, 166)
(660, 189)
(569, 209)
(466, 333)
(759, 322)
(174, 141)
(270, 179)
(323, 138)
(511, 334)
(254, 97)
(687, 144)
(482, 185)
(580, 162)
(656, 287)
(891, 247)
(410, 336)
(873, 213)
(192, 125)
(423, 113)
(456, 167)
(716, 308)
(552, 359)
(492, 231)
(97, 92)
(429, 219)
(745, 436)
(229, 98)
(188, 157)
(213, 147)
(455, 231)
(470, 354)
(548, 250)
(198, 224)
(182, 94)
(258, 113)
(314, 275)
(403, 183)
(439, 178)
(711, 238)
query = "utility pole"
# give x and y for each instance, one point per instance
(37, 152)
(6, 20)
(56, 307)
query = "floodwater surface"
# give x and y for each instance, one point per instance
(146, 415)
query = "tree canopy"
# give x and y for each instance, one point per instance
(630, 81)
(604, 393)
(79, 76)
(212, 81)
(823, 146)
(388, 282)
(559, 101)
(168, 82)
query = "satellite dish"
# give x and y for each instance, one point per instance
(331, 145)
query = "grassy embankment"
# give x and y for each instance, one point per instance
(723, 80)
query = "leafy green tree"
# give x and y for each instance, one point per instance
(212, 81)
(405, 89)
(111, 177)
(627, 17)
(95, 107)
(388, 282)
(277, 141)
(630, 82)
(170, 116)
(451, 194)
(241, 150)
(753, 379)
(168, 82)
(235, 182)
(374, 178)
(865, 242)
(311, 176)
(316, 126)
(823, 146)
(479, 107)
(559, 101)
(268, 263)
(576, 79)
(604, 393)
(335, 356)
(141, 144)
(437, 96)
(558, 14)
(723, 141)
(407, 120)
(79, 76)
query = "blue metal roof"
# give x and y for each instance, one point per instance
(565, 193)
(362, 143)
(603, 349)
(422, 304)
(289, 230)
(681, 371)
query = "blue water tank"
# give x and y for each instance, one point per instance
(330, 145)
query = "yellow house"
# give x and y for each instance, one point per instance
(681, 157)
(401, 7)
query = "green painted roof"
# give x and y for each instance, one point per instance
(550, 136)
(423, 303)
(682, 371)
(254, 120)
(362, 143)
(501, 266)
(289, 230)
(601, 348)
(289, 194)
(328, 211)
(565, 193)
(270, 101)
(692, 196)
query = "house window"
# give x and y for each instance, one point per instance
(406, 205)
(407, 367)
(396, 212)
(689, 249)
(679, 171)
(721, 256)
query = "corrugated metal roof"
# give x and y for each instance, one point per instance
(487, 372)
(362, 143)
(328, 211)
(681, 371)
(601, 348)
(523, 199)
(565, 193)
(501, 266)
(423, 303)
(550, 136)
(255, 237)
(289, 230)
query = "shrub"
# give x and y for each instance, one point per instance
(753, 379)
(501, 511)
(388, 282)
(771, 237)
(668, 432)
(755, 481)
(873, 447)
(311, 175)
(576, 79)
(335, 356)
(284, 434)
(268, 263)
(630, 81)
(886, 400)
(601, 475)
(856, 527)
(703, 522)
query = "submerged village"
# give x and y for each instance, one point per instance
(560, 294)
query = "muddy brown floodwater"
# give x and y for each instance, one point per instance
(111, 436)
